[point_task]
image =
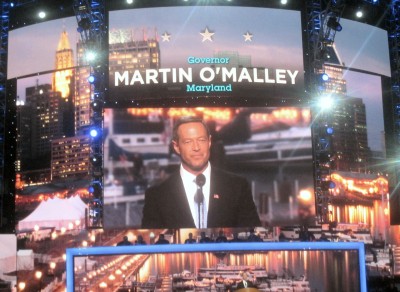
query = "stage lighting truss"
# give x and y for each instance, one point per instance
(322, 26)
(323, 133)
(323, 165)
(4, 20)
(393, 28)
(92, 26)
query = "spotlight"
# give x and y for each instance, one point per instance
(95, 188)
(397, 109)
(96, 160)
(95, 104)
(334, 24)
(359, 13)
(90, 56)
(91, 79)
(94, 133)
(42, 14)
(324, 77)
(325, 102)
(129, 1)
(284, 2)
(329, 130)
(327, 185)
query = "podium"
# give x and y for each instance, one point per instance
(248, 290)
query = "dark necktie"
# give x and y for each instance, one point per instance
(199, 197)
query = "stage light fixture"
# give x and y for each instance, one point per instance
(329, 130)
(323, 77)
(95, 104)
(334, 24)
(84, 24)
(327, 185)
(90, 56)
(91, 79)
(96, 160)
(42, 14)
(94, 133)
(95, 187)
(325, 102)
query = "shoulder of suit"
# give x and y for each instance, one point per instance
(223, 173)
(172, 179)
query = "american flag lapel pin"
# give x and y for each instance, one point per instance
(216, 196)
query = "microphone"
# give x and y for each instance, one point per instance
(200, 181)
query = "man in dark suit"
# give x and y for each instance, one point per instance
(245, 282)
(225, 200)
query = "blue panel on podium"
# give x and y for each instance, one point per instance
(308, 266)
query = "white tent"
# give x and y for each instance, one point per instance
(55, 213)
(77, 202)
(8, 253)
(25, 259)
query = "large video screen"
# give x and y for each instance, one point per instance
(146, 43)
(233, 53)
(269, 146)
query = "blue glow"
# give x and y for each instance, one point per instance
(91, 79)
(329, 130)
(94, 133)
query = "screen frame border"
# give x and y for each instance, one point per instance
(71, 253)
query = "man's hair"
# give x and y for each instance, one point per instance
(185, 120)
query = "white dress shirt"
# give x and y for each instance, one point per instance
(189, 183)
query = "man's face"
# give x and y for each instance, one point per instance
(193, 146)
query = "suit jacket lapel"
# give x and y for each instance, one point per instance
(213, 199)
(179, 203)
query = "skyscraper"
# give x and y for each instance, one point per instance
(63, 76)
(347, 117)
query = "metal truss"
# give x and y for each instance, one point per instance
(4, 21)
(318, 36)
(393, 28)
(92, 25)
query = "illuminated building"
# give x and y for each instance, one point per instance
(46, 112)
(359, 198)
(333, 67)
(348, 119)
(82, 92)
(62, 79)
(70, 158)
(43, 118)
(129, 54)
